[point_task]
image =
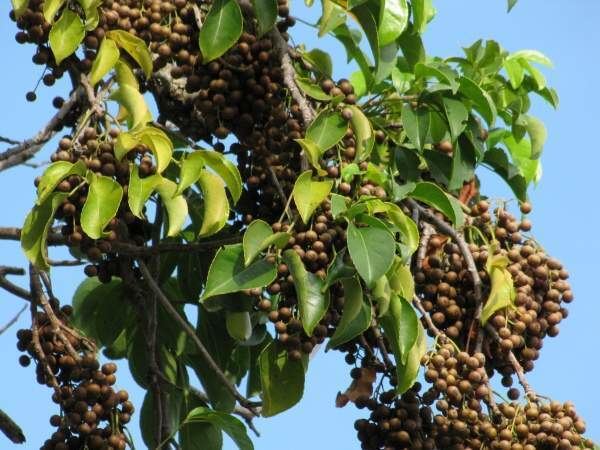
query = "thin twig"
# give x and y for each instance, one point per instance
(426, 233)
(9, 140)
(427, 318)
(11, 287)
(204, 354)
(382, 348)
(12, 321)
(10, 429)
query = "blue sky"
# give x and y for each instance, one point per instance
(565, 213)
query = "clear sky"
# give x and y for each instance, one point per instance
(565, 213)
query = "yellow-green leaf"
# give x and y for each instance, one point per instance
(50, 8)
(103, 200)
(258, 237)
(221, 29)
(140, 190)
(66, 35)
(502, 293)
(409, 232)
(36, 227)
(313, 154)
(226, 170)
(159, 144)
(356, 317)
(176, 206)
(136, 48)
(393, 19)
(309, 194)
(133, 101)
(363, 133)
(239, 325)
(191, 168)
(328, 128)
(125, 75)
(54, 174)
(216, 206)
(90, 9)
(401, 279)
(19, 7)
(125, 142)
(107, 57)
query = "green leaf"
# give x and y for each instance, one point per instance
(432, 195)
(133, 101)
(442, 72)
(282, 380)
(258, 237)
(401, 326)
(372, 250)
(416, 124)
(511, 4)
(409, 232)
(159, 144)
(538, 77)
(239, 325)
(191, 167)
(463, 163)
(328, 128)
(339, 205)
(401, 279)
(393, 19)
(333, 16)
(320, 61)
(199, 436)
(90, 10)
(266, 14)
(313, 153)
(363, 133)
(531, 169)
(19, 7)
(175, 205)
(312, 90)
(515, 72)
(103, 201)
(136, 48)
(423, 12)
(498, 161)
(216, 205)
(356, 317)
(502, 293)
(457, 116)
(309, 194)
(228, 274)
(226, 422)
(338, 270)
(36, 227)
(125, 75)
(407, 372)
(221, 29)
(148, 416)
(227, 170)
(66, 35)
(381, 294)
(538, 135)
(105, 60)
(140, 190)
(532, 56)
(482, 102)
(54, 174)
(50, 8)
(312, 301)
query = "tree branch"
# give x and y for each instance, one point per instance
(10, 429)
(204, 354)
(12, 321)
(11, 287)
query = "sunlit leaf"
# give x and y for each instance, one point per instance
(136, 48)
(309, 194)
(103, 200)
(221, 29)
(216, 205)
(65, 35)
(105, 60)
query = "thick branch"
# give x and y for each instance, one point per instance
(204, 354)
(10, 429)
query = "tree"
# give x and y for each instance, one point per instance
(346, 213)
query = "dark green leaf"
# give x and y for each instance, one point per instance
(266, 14)
(66, 35)
(463, 163)
(481, 100)
(221, 29)
(356, 317)
(511, 4)
(226, 422)
(312, 301)
(407, 163)
(409, 232)
(498, 160)
(320, 61)
(457, 116)
(401, 326)
(148, 414)
(412, 48)
(189, 275)
(416, 124)
(253, 386)
(227, 272)
(432, 195)
(199, 435)
(439, 164)
(282, 380)
(372, 250)
(406, 372)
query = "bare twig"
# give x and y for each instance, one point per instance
(238, 410)
(427, 318)
(11, 287)
(9, 140)
(28, 148)
(12, 321)
(426, 233)
(65, 262)
(10, 429)
(94, 101)
(382, 348)
(204, 354)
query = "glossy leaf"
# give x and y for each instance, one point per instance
(532, 56)
(140, 190)
(191, 168)
(216, 205)
(416, 125)
(136, 48)
(65, 35)
(309, 194)
(228, 273)
(226, 422)
(36, 227)
(159, 144)
(393, 19)
(258, 237)
(105, 60)
(282, 380)
(363, 133)
(103, 201)
(372, 250)
(338, 270)
(312, 301)
(198, 435)
(328, 128)
(320, 61)
(481, 100)
(221, 29)
(54, 174)
(266, 14)
(498, 161)
(133, 101)
(356, 317)
(227, 170)
(401, 326)
(50, 8)
(175, 205)
(432, 195)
